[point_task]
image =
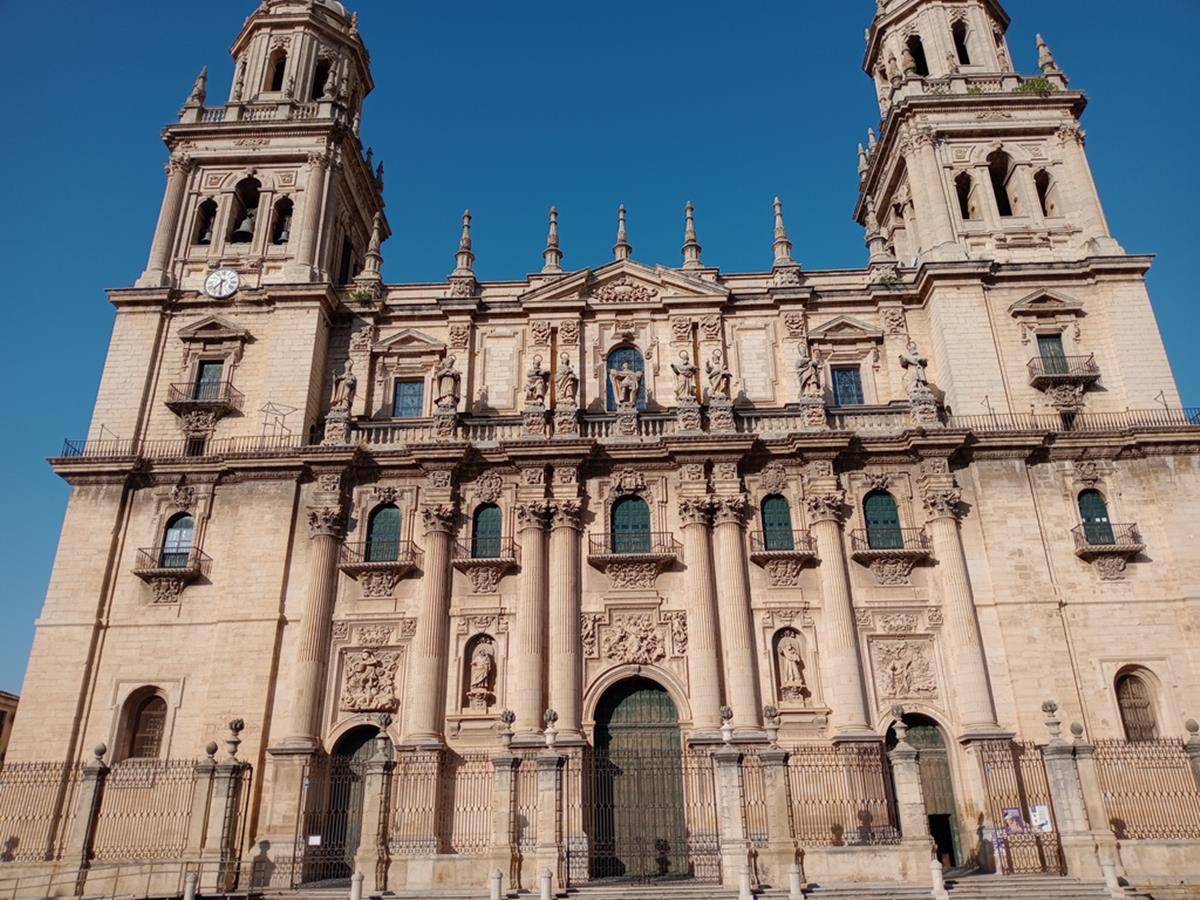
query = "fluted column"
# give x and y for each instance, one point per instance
(566, 663)
(423, 714)
(733, 596)
(156, 274)
(840, 658)
(527, 653)
(937, 229)
(314, 193)
(704, 651)
(972, 691)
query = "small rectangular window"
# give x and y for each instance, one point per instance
(209, 375)
(409, 399)
(847, 387)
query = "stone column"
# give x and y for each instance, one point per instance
(314, 193)
(527, 653)
(927, 182)
(371, 858)
(780, 852)
(78, 849)
(423, 714)
(972, 692)
(326, 520)
(838, 634)
(737, 627)
(157, 274)
(1107, 848)
(704, 653)
(566, 663)
(731, 826)
(1066, 794)
(910, 796)
(504, 811)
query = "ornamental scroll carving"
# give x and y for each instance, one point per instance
(488, 487)
(369, 681)
(640, 638)
(437, 517)
(325, 521)
(627, 481)
(774, 479)
(624, 290)
(904, 669)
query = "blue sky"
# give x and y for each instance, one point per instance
(508, 108)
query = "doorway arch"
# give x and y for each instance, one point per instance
(937, 783)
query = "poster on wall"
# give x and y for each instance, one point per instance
(1014, 822)
(1039, 818)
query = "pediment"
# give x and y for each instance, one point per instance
(409, 342)
(626, 282)
(1046, 303)
(213, 328)
(845, 329)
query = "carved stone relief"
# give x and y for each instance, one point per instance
(904, 669)
(369, 681)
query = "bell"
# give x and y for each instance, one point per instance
(245, 230)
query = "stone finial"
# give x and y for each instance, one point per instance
(862, 163)
(236, 727)
(199, 89)
(1046, 58)
(99, 750)
(871, 139)
(553, 254)
(899, 725)
(1077, 730)
(782, 245)
(1193, 730)
(507, 717)
(210, 750)
(373, 260)
(691, 247)
(1053, 724)
(622, 249)
(464, 258)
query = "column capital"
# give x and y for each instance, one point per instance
(180, 164)
(696, 510)
(326, 521)
(534, 514)
(568, 514)
(730, 510)
(941, 497)
(438, 517)
(825, 502)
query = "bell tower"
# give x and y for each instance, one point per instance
(972, 159)
(274, 184)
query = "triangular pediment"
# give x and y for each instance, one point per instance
(844, 328)
(213, 328)
(409, 341)
(625, 282)
(1045, 303)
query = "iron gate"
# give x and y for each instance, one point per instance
(329, 826)
(1025, 839)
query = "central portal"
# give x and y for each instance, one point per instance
(639, 810)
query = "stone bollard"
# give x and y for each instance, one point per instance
(356, 886)
(495, 884)
(189, 886)
(795, 887)
(545, 880)
(939, 882)
(744, 892)
(1111, 881)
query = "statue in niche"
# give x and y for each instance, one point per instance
(567, 384)
(482, 675)
(626, 384)
(720, 379)
(914, 364)
(537, 379)
(447, 383)
(685, 377)
(790, 659)
(344, 388)
(808, 369)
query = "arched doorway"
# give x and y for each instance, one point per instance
(638, 809)
(936, 783)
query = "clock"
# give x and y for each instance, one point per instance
(221, 283)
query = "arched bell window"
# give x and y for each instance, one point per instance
(777, 524)
(917, 48)
(1000, 168)
(631, 526)
(281, 228)
(883, 521)
(146, 728)
(1136, 702)
(276, 69)
(1047, 195)
(177, 542)
(959, 33)
(1093, 515)
(964, 188)
(618, 361)
(383, 534)
(485, 532)
(206, 217)
(245, 211)
(320, 79)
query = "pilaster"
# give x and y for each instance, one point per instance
(372, 856)
(780, 852)
(1066, 794)
(735, 849)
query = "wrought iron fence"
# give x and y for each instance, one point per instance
(841, 795)
(1148, 788)
(37, 808)
(367, 553)
(145, 810)
(1083, 422)
(1024, 835)
(414, 802)
(754, 800)
(181, 561)
(466, 802)
(525, 834)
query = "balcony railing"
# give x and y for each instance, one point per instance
(367, 555)
(1047, 370)
(216, 395)
(781, 541)
(185, 562)
(889, 540)
(484, 549)
(181, 448)
(1101, 537)
(633, 543)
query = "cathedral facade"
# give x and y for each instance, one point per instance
(631, 570)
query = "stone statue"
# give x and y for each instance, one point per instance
(537, 379)
(720, 379)
(344, 388)
(447, 383)
(914, 364)
(483, 666)
(685, 377)
(567, 384)
(626, 384)
(808, 368)
(791, 670)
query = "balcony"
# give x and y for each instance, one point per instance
(1098, 538)
(633, 559)
(891, 553)
(782, 554)
(216, 398)
(484, 561)
(186, 564)
(1050, 371)
(378, 566)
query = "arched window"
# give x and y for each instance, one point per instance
(777, 524)
(146, 727)
(245, 211)
(917, 48)
(1047, 196)
(276, 68)
(383, 534)
(626, 359)
(485, 532)
(1000, 167)
(281, 229)
(1093, 514)
(631, 526)
(883, 521)
(963, 186)
(346, 266)
(177, 541)
(1136, 702)
(959, 31)
(320, 79)
(206, 217)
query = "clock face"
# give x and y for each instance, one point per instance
(221, 283)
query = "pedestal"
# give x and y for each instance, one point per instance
(337, 429)
(533, 420)
(688, 414)
(812, 414)
(720, 415)
(566, 420)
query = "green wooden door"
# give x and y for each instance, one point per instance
(631, 526)
(485, 536)
(777, 524)
(938, 788)
(1093, 511)
(383, 535)
(640, 823)
(883, 521)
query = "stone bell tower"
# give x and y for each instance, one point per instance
(972, 159)
(273, 185)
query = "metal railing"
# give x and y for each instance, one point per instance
(869, 539)
(205, 393)
(1148, 788)
(380, 553)
(781, 540)
(1082, 423)
(179, 448)
(179, 560)
(1105, 535)
(653, 543)
(841, 796)
(486, 548)
(1050, 368)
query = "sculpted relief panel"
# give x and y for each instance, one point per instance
(369, 681)
(904, 669)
